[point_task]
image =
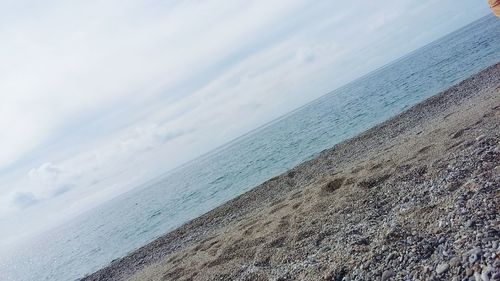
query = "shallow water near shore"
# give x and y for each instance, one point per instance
(130, 221)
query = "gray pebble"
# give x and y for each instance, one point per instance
(442, 268)
(473, 258)
(469, 223)
(455, 261)
(387, 275)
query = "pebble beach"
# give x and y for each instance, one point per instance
(414, 198)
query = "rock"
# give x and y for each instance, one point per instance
(476, 251)
(474, 254)
(442, 268)
(366, 265)
(454, 262)
(469, 224)
(391, 256)
(469, 272)
(387, 275)
(480, 137)
(473, 258)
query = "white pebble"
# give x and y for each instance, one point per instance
(442, 268)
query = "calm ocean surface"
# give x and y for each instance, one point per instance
(131, 220)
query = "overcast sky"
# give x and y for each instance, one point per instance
(99, 96)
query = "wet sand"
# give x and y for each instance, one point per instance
(414, 198)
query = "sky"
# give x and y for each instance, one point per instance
(97, 97)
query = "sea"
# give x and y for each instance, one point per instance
(133, 219)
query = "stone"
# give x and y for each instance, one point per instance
(476, 251)
(469, 224)
(390, 256)
(387, 275)
(455, 261)
(474, 255)
(480, 137)
(442, 268)
(469, 271)
(473, 258)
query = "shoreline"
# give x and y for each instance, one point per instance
(225, 244)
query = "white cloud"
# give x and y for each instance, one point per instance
(45, 182)
(47, 173)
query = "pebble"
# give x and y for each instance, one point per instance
(440, 269)
(480, 137)
(387, 275)
(469, 223)
(366, 265)
(474, 255)
(475, 251)
(469, 272)
(473, 258)
(455, 261)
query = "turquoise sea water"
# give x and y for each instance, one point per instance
(131, 220)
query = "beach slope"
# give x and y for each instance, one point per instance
(414, 198)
